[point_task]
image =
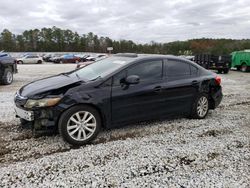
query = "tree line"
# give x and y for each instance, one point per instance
(64, 40)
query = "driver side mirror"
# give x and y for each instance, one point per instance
(132, 79)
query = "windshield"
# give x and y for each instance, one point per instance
(102, 67)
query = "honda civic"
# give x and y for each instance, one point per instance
(116, 91)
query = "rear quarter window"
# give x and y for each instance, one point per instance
(194, 70)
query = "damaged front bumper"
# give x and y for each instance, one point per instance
(39, 119)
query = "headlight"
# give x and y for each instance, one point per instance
(41, 102)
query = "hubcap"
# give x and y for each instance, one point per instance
(81, 125)
(202, 106)
(9, 77)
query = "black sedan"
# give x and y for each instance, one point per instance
(115, 91)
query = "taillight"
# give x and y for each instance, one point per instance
(218, 80)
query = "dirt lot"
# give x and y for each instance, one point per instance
(177, 153)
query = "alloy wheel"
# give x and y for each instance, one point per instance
(81, 125)
(202, 106)
(9, 77)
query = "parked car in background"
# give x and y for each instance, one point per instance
(29, 59)
(221, 63)
(47, 57)
(96, 58)
(83, 64)
(8, 67)
(90, 61)
(241, 60)
(69, 58)
(83, 57)
(116, 91)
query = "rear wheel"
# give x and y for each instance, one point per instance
(200, 107)
(7, 77)
(219, 71)
(226, 71)
(244, 67)
(79, 125)
(39, 62)
(20, 62)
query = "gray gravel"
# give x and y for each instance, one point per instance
(214, 152)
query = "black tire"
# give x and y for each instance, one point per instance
(25, 124)
(195, 111)
(238, 68)
(244, 67)
(64, 123)
(20, 62)
(39, 62)
(7, 77)
(226, 71)
(219, 71)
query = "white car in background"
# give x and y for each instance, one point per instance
(28, 59)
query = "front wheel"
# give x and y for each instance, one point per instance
(7, 77)
(200, 107)
(79, 125)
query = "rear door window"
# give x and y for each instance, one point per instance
(177, 68)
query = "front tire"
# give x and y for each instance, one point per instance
(7, 77)
(79, 125)
(200, 107)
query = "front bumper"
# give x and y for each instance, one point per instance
(24, 114)
(40, 119)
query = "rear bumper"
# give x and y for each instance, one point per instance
(217, 98)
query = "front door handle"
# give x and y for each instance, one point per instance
(158, 89)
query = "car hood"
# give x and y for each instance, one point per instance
(37, 88)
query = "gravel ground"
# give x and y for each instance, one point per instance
(214, 152)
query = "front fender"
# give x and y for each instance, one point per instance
(98, 98)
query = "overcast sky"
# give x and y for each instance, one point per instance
(139, 20)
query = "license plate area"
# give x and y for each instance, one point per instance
(24, 114)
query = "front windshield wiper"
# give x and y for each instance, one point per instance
(98, 77)
(78, 76)
(65, 74)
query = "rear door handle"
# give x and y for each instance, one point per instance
(195, 82)
(158, 89)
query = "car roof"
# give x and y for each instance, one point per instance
(135, 57)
